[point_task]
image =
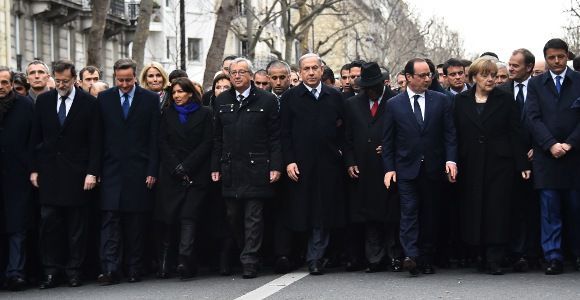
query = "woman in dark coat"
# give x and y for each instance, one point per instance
(490, 150)
(185, 144)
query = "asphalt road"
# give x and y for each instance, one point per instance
(446, 284)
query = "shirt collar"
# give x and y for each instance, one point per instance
(380, 97)
(131, 93)
(318, 87)
(411, 94)
(71, 94)
(561, 74)
(245, 93)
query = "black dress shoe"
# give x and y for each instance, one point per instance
(554, 267)
(48, 282)
(15, 283)
(396, 265)
(375, 267)
(353, 266)
(494, 268)
(134, 277)
(282, 265)
(186, 271)
(428, 269)
(75, 281)
(521, 265)
(108, 278)
(249, 271)
(315, 267)
(410, 265)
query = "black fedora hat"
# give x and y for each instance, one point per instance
(370, 75)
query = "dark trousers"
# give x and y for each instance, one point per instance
(317, 243)
(245, 217)
(555, 205)
(525, 241)
(63, 230)
(420, 199)
(16, 254)
(381, 241)
(122, 238)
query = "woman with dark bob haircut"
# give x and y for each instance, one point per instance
(185, 142)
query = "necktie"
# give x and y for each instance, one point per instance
(126, 105)
(558, 83)
(62, 110)
(520, 98)
(417, 111)
(374, 108)
(241, 99)
(314, 91)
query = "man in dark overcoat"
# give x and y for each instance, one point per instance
(66, 137)
(130, 121)
(312, 140)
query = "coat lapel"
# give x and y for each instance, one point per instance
(549, 82)
(470, 109)
(409, 111)
(135, 103)
(490, 106)
(74, 109)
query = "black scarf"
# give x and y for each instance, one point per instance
(6, 104)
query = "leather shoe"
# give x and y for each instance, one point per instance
(186, 271)
(353, 266)
(249, 271)
(410, 265)
(108, 278)
(15, 283)
(74, 281)
(134, 277)
(283, 265)
(315, 267)
(428, 269)
(554, 267)
(521, 265)
(48, 282)
(494, 269)
(375, 267)
(396, 265)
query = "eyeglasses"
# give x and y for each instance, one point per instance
(424, 75)
(240, 72)
(60, 81)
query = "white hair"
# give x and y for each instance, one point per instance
(309, 55)
(245, 60)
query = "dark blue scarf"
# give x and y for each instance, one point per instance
(185, 110)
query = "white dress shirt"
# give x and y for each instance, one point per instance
(245, 93)
(525, 88)
(561, 75)
(68, 102)
(318, 89)
(421, 101)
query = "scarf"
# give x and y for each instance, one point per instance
(185, 110)
(5, 104)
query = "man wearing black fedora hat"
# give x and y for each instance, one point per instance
(371, 205)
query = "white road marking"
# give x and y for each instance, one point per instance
(273, 286)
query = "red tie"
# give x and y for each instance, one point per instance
(374, 108)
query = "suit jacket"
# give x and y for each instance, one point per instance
(406, 144)
(130, 150)
(64, 155)
(555, 118)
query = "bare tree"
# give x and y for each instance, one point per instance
(572, 29)
(97, 31)
(443, 43)
(142, 32)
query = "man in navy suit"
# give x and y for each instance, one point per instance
(130, 121)
(553, 111)
(419, 148)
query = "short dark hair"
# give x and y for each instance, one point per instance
(124, 64)
(278, 64)
(529, 58)
(488, 53)
(177, 74)
(432, 68)
(466, 62)
(91, 70)
(410, 66)
(63, 65)
(20, 78)
(187, 86)
(229, 57)
(439, 66)
(345, 67)
(219, 77)
(261, 72)
(356, 64)
(452, 62)
(576, 63)
(556, 44)
(327, 74)
(6, 69)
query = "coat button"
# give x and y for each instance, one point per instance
(481, 139)
(369, 140)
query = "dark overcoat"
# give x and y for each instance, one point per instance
(64, 155)
(369, 199)
(14, 165)
(555, 118)
(491, 150)
(130, 150)
(313, 138)
(188, 144)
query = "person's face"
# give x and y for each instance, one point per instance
(37, 76)
(345, 80)
(374, 92)
(502, 76)
(5, 84)
(64, 82)
(279, 80)
(125, 79)
(240, 76)
(262, 82)
(401, 81)
(539, 68)
(354, 73)
(456, 77)
(154, 79)
(518, 69)
(180, 97)
(420, 81)
(556, 60)
(442, 79)
(19, 89)
(485, 82)
(226, 67)
(221, 86)
(294, 79)
(311, 71)
(89, 79)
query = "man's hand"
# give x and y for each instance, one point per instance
(451, 170)
(274, 176)
(392, 175)
(566, 147)
(215, 176)
(90, 182)
(353, 172)
(526, 174)
(34, 179)
(292, 170)
(379, 150)
(557, 150)
(531, 154)
(150, 181)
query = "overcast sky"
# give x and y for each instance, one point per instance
(499, 25)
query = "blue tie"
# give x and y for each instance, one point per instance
(62, 110)
(314, 91)
(558, 83)
(125, 105)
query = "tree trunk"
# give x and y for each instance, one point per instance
(213, 61)
(250, 30)
(305, 40)
(97, 31)
(142, 32)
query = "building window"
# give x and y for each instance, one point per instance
(194, 49)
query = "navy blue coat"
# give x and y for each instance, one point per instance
(130, 150)
(555, 119)
(406, 144)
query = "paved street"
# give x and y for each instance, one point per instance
(447, 284)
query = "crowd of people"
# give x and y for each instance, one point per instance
(464, 164)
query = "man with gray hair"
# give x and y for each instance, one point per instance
(38, 75)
